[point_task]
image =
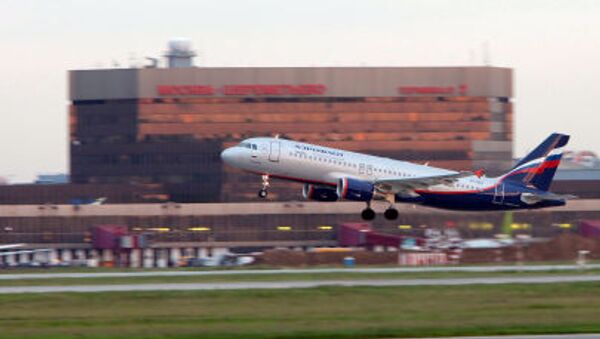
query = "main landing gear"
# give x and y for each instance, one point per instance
(368, 213)
(262, 193)
(391, 213)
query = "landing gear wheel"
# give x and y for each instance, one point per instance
(265, 184)
(368, 214)
(391, 214)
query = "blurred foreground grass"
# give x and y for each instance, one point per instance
(332, 312)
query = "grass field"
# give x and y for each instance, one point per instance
(333, 312)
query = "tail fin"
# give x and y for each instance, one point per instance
(539, 166)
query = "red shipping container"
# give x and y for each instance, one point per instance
(589, 228)
(107, 236)
(353, 234)
(389, 240)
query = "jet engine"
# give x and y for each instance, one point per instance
(353, 189)
(312, 192)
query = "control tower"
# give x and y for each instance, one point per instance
(180, 53)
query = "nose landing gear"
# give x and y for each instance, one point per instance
(262, 193)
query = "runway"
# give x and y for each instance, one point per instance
(481, 269)
(297, 284)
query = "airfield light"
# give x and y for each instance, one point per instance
(563, 225)
(159, 229)
(523, 226)
(486, 226)
(284, 228)
(199, 229)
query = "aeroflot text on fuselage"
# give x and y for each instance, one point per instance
(320, 150)
(331, 174)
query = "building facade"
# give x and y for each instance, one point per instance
(261, 224)
(167, 126)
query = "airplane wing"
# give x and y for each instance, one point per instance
(4, 254)
(532, 198)
(406, 186)
(9, 246)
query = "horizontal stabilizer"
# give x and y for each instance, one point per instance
(532, 198)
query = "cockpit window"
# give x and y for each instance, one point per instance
(248, 145)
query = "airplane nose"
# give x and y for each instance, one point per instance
(227, 155)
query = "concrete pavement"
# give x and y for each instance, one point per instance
(298, 284)
(168, 273)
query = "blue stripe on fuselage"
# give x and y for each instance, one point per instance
(507, 197)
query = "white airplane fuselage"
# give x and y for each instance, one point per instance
(320, 165)
(331, 174)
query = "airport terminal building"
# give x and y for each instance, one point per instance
(163, 128)
(148, 140)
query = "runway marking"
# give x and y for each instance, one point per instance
(298, 284)
(481, 269)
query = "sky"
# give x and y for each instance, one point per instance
(553, 47)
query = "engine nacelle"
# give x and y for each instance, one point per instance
(312, 192)
(356, 190)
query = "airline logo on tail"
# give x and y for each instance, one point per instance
(538, 167)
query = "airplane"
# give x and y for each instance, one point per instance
(88, 201)
(330, 174)
(18, 252)
(10, 246)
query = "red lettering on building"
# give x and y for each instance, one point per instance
(432, 90)
(185, 90)
(266, 90)
(242, 90)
